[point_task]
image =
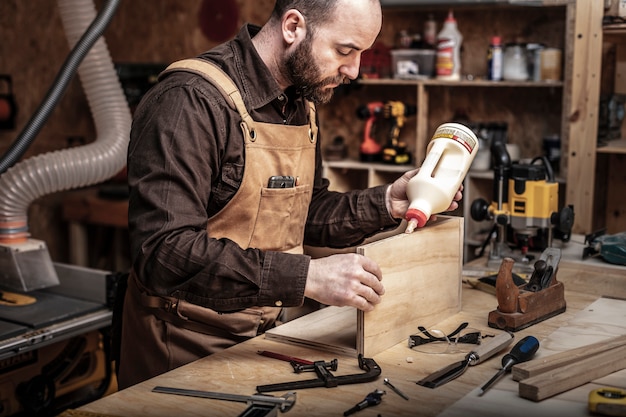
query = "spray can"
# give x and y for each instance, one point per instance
(494, 59)
(450, 153)
(449, 42)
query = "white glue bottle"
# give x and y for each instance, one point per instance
(448, 62)
(450, 153)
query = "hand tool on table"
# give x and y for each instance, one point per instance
(260, 405)
(325, 378)
(478, 355)
(608, 402)
(373, 398)
(521, 306)
(394, 389)
(294, 362)
(521, 352)
(427, 339)
(541, 379)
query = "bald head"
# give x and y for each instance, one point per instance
(319, 12)
(316, 45)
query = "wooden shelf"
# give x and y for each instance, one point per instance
(613, 147)
(530, 109)
(488, 175)
(610, 198)
(615, 29)
(463, 83)
(352, 164)
(349, 174)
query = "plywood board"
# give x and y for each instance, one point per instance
(331, 329)
(422, 278)
(602, 320)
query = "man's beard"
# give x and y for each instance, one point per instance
(304, 74)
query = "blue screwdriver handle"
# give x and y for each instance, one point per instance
(521, 352)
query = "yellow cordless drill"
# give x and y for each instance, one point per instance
(395, 150)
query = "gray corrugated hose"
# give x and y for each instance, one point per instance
(76, 167)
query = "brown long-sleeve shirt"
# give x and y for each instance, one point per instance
(186, 160)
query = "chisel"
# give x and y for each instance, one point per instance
(521, 352)
(478, 355)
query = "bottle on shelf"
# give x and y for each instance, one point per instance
(450, 153)
(430, 32)
(449, 42)
(494, 59)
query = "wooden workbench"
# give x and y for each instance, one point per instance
(240, 369)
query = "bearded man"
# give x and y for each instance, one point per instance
(216, 248)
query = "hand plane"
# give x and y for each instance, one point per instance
(521, 306)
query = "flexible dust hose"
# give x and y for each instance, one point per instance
(76, 167)
(58, 87)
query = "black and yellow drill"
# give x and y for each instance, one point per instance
(395, 150)
(525, 205)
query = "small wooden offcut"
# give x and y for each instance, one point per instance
(422, 277)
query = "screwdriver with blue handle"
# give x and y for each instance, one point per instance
(521, 352)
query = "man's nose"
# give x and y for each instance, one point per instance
(351, 69)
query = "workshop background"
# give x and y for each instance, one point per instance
(155, 33)
(33, 47)
(144, 36)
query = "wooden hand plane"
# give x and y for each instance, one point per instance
(521, 306)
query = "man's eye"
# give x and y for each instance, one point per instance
(344, 52)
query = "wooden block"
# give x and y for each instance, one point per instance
(550, 383)
(558, 360)
(422, 278)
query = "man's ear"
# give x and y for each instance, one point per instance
(293, 27)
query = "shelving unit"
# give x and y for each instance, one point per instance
(611, 179)
(531, 109)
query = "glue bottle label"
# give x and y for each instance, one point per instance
(469, 142)
(445, 57)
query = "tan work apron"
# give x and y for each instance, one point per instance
(162, 333)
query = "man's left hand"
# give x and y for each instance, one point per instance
(397, 200)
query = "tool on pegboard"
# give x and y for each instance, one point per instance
(522, 306)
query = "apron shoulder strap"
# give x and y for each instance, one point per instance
(215, 76)
(312, 121)
(227, 87)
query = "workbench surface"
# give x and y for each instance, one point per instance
(240, 369)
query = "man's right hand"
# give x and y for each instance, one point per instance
(345, 280)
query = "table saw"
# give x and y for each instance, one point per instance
(53, 342)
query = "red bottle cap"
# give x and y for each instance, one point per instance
(418, 215)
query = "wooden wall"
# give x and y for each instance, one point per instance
(33, 47)
(527, 123)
